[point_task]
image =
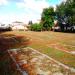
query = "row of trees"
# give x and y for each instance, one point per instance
(64, 13)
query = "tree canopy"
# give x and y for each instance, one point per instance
(66, 12)
(47, 18)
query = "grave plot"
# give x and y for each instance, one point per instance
(32, 62)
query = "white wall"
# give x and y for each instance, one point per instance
(17, 27)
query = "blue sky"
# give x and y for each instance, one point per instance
(24, 10)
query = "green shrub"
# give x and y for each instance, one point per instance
(36, 27)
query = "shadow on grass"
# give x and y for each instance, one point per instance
(72, 32)
(8, 41)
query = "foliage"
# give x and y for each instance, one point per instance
(65, 13)
(47, 18)
(36, 27)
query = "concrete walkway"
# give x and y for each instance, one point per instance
(41, 64)
(65, 66)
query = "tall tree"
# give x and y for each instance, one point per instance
(47, 18)
(65, 12)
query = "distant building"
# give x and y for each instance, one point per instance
(5, 27)
(19, 26)
(56, 26)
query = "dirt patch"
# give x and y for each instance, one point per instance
(60, 47)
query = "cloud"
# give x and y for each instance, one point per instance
(35, 5)
(33, 8)
(63, 0)
(3, 2)
(11, 18)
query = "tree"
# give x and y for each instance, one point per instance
(70, 6)
(65, 14)
(60, 13)
(47, 18)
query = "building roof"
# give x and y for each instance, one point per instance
(17, 22)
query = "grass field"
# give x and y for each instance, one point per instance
(46, 42)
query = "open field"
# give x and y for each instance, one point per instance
(43, 42)
(59, 46)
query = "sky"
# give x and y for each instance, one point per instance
(24, 10)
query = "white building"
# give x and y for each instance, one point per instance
(19, 26)
(4, 26)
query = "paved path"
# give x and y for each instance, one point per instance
(17, 65)
(43, 64)
(65, 66)
(61, 49)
